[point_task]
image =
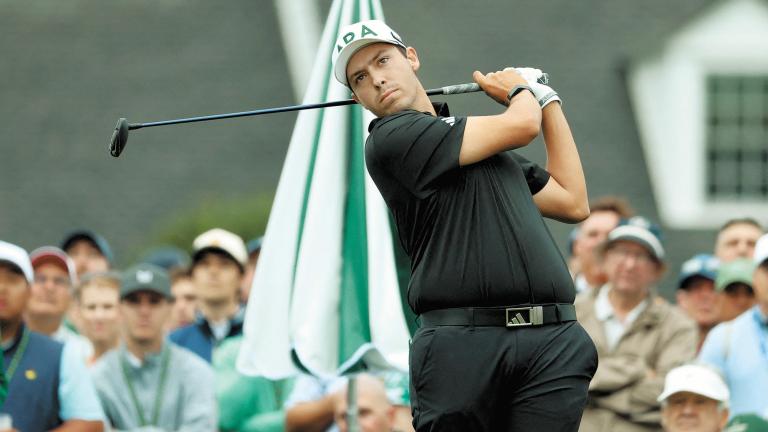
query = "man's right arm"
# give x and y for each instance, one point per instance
(518, 125)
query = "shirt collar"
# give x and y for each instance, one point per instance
(759, 317)
(604, 309)
(150, 359)
(441, 108)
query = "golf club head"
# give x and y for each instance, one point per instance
(119, 138)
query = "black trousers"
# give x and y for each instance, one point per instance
(494, 379)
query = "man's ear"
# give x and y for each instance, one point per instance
(413, 58)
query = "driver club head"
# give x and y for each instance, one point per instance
(119, 138)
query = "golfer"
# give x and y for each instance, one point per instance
(499, 348)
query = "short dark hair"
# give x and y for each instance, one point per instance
(214, 251)
(741, 221)
(13, 268)
(614, 204)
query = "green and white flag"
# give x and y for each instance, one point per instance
(326, 297)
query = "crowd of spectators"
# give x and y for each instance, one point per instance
(153, 347)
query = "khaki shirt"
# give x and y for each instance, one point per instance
(629, 378)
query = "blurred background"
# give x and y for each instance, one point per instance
(668, 102)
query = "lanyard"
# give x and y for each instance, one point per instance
(16, 359)
(158, 394)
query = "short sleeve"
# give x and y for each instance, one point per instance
(77, 393)
(415, 149)
(536, 176)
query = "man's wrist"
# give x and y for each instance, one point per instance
(517, 89)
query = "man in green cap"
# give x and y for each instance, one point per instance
(137, 386)
(734, 287)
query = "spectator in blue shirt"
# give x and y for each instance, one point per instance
(739, 348)
(49, 386)
(218, 264)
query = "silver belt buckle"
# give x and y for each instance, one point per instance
(516, 319)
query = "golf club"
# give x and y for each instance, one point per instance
(120, 135)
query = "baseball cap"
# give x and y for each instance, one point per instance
(52, 254)
(167, 257)
(747, 423)
(223, 241)
(17, 258)
(145, 277)
(737, 271)
(695, 378)
(81, 234)
(639, 230)
(701, 265)
(761, 250)
(357, 36)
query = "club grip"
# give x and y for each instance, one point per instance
(460, 88)
(473, 87)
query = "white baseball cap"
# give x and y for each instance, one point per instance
(761, 250)
(698, 379)
(355, 37)
(223, 240)
(18, 258)
(639, 230)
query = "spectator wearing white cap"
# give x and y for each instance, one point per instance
(739, 348)
(695, 399)
(218, 265)
(48, 385)
(638, 339)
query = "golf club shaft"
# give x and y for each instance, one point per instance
(447, 90)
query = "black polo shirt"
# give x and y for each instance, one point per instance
(473, 233)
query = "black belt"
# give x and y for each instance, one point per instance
(518, 316)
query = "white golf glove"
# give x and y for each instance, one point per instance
(543, 93)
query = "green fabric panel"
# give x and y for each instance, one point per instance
(354, 325)
(310, 172)
(315, 144)
(244, 400)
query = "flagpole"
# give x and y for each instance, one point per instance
(352, 423)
